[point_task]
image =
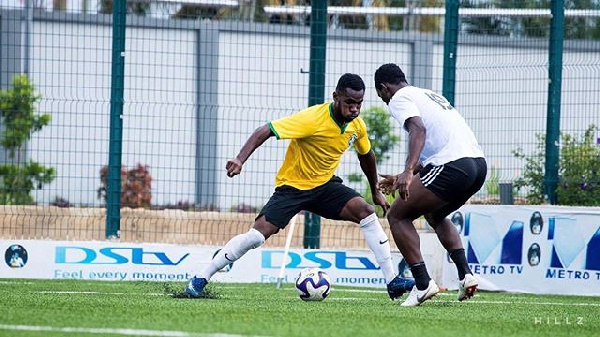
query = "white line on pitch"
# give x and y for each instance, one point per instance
(124, 332)
(94, 293)
(339, 298)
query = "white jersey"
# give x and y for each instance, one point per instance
(448, 136)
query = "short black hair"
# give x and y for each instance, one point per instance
(389, 73)
(351, 81)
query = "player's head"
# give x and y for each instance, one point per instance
(387, 79)
(348, 96)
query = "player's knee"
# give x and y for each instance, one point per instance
(393, 215)
(433, 220)
(430, 220)
(365, 210)
(265, 228)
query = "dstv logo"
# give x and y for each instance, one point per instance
(489, 242)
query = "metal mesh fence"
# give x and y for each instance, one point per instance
(198, 80)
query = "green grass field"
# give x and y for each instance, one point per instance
(85, 308)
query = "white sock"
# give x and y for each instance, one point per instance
(233, 250)
(379, 244)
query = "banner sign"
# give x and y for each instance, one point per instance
(532, 249)
(159, 262)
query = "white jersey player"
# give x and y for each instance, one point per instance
(445, 166)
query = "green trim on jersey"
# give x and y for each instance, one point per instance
(273, 130)
(341, 125)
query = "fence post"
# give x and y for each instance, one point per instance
(450, 43)
(316, 95)
(207, 93)
(113, 181)
(555, 63)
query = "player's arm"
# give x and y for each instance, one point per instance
(369, 168)
(416, 142)
(258, 137)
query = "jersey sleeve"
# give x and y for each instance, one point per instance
(403, 108)
(298, 125)
(362, 143)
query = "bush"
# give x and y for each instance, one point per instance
(492, 185)
(61, 202)
(579, 170)
(244, 208)
(135, 186)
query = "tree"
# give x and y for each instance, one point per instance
(383, 139)
(420, 23)
(381, 132)
(19, 178)
(538, 27)
(137, 7)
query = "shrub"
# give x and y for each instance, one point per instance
(492, 185)
(61, 202)
(136, 186)
(244, 208)
(579, 170)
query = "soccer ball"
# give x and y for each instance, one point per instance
(313, 284)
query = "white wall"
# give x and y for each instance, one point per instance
(73, 75)
(260, 80)
(501, 91)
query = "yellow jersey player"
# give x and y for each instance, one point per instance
(306, 180)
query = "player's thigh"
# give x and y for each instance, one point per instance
(285, 202)
(457, 183)
(331, 198)
(420, 202)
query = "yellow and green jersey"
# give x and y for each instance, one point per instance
(318, 142)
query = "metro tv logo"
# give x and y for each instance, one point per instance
(575, 245)
(492, 243)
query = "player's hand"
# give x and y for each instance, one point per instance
(234, 167)
(379, 199)
(386, 185)
(402, 183)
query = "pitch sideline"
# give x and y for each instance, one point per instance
(124, 332)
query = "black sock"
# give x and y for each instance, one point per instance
(420, 274)
(460, 260)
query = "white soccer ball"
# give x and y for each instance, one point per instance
(313, 284)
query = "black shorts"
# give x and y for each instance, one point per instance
(326, 200)
(455, 182)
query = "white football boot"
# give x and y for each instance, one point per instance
(416, 296)
(467, 287)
